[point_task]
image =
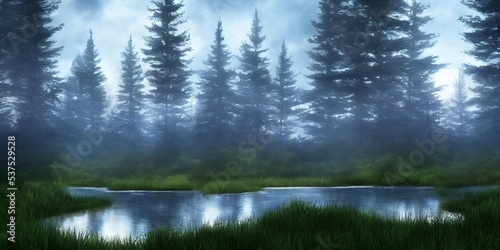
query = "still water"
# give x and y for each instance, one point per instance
(133, 213)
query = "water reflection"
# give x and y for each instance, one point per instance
(212, 211)
(246, 207)
(133, 213)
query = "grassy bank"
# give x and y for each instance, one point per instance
(184, 182)
(481, 210)
(210, 177)
(296, 226)
(35, 201)
(42, 197)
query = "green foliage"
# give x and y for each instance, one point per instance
(214, 163)
(234, 186)
(327, 168)
(280, 163)
(376, 170)
(176, 182)
(133, 169)
(478, 208)
(36, 200)
(432, 176)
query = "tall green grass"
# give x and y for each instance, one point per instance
(35, 201)
(40, 200)
(175, 182)
(481, 210)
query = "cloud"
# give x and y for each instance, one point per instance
(90, 8)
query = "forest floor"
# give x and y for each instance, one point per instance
(298, 225)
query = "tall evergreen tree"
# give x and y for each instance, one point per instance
(216, 102)
(255, 87)
(459, 110)
(74, 106)
(383, 65)
(421, 104)
(85, 99)
(166, 54)
(93, 79)
(485, 37)
(327, 99)
(286, 93)
(28, 77)
(7, 24)
(31, 66)
(131, 96)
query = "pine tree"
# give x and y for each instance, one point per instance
(131, 96)
(286, 93)
(85, 99)
(31, 66)
(29, 77)
(327, 99)
(216, 101)
(7, 24)
(459, 109)
(421, 104)
(168, 74)
(93, 79)
(485, 37)
(255, 87)
(383, 66)
(354, 85)
(74, 106)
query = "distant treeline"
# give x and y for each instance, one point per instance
(372, 90)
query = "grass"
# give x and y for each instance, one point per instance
(478, 208)
(237, 185)
(42, 199)
(183, 182)
(35, 201)
(383, 171)
(298, 225)
(175, 182)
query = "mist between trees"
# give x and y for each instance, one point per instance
(372, 96)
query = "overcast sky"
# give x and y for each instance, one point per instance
(112, 21)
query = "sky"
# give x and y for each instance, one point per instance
(113, 21)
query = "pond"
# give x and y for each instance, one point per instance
(134, 213)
